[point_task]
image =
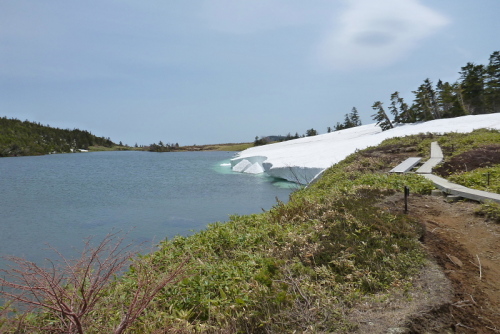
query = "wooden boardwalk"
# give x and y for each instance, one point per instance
(458, 190)
(406, 165)
(436, 158)
(452, 188)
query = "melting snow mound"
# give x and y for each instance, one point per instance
(304, 159)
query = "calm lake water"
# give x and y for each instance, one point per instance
(61, 199)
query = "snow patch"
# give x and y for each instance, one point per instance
(304, 159)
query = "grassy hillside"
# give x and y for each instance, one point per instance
(303, 266)
(219, 147)
(19, 138)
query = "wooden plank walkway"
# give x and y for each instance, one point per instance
(452, 188)
(406, 165)
(436, 158)
(458, 190)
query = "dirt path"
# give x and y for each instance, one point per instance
(467, 248)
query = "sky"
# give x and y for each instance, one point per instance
(225, 71)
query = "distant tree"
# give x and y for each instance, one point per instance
(448, 100)
(32, 138)
(394, 106)
(311, 132)
(431, 93)
(425, 106)
(328, 129)
(472, 88)
(400, 110)
(354, 119)
(339, 126)
(492, 89)
(347, 122)
(381, 116)
(259, 141)
(350, 120)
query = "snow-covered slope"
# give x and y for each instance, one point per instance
(303, 159)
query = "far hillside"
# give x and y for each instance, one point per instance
(18, 138)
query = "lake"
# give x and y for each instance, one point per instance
(60, 199)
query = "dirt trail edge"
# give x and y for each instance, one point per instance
(467, 248)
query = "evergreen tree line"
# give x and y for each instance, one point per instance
(477, 91)
(273, 139)
(18, 138)
(161, 147)
(351, 120)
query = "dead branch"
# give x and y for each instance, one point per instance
(68, 289)
(150, 281)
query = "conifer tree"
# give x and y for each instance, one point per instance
(431, 95)
(311, 132)
(394, 107)
(492, 89)
(472, 85)
(347, 122)
(381, 116)
(425, 104)
(339, 126)
(354, 117)
(406, 115)
(448, 101)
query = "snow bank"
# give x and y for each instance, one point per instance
(301, 160)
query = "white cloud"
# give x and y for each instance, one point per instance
(371, 33)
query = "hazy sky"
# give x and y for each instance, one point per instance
(214, 71)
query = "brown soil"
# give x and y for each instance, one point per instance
(484, 156)
(467, 248)
(460, 291)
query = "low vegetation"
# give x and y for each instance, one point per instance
(99, 148)
(18, 138)
(490, 210)
(234, 147)
(302, 266)
(472, 160)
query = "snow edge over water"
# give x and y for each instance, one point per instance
(303, 160)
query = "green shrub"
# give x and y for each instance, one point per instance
(487, 179)
(490, 210)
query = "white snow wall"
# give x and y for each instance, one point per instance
(304, 159)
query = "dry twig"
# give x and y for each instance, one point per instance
(71, 289)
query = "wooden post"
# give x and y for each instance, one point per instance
(407, 193)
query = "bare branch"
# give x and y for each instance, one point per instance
(71, 290)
